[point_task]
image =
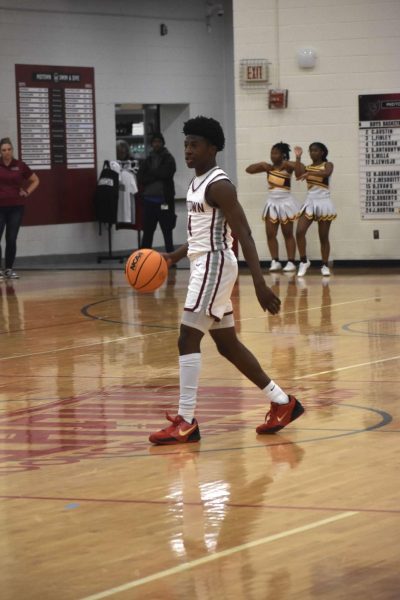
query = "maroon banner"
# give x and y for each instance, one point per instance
(379, 107)
(57, 139)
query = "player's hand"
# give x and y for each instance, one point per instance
(176, 255)
(168, 258)
(267, 298)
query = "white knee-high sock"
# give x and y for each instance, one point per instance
(189, 373)
(275, 394)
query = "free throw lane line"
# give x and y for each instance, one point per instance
(365, 364)
(217, 555)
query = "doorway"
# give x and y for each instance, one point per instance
(135, 124)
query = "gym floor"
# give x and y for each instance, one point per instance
(90, 510)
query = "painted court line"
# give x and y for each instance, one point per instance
(366, 364)
(79, 346)
(318, 307)
(330, 305)
(216, 556)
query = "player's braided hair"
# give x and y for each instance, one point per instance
(322, 147)
(283, 148)
(208, 128)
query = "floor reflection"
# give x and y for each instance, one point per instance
(11, 310)
(216, 510)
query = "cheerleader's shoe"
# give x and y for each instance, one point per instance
(289, 267)
(325, 271)
(303, 267)
(275, 266)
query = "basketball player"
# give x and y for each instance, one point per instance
(318, 205)
(213, 209)
(281, 208)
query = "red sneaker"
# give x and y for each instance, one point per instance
(179, 432)
(280, 415)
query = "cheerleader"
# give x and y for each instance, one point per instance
(317, 206)
(281, 208)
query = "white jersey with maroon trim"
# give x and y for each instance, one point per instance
(208, 230)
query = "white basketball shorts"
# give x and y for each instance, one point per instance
(212, 277)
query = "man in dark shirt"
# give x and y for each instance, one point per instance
(156, 180)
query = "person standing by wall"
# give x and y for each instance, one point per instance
(281, 208)
(17, 182)
(156, 178)
(318, 205)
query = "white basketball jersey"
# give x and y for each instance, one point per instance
(208, 230)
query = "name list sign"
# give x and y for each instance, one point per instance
(379, 139)
(56, 119)
(56, 135)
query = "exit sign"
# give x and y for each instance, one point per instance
(254, 72)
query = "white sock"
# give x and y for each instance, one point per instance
(189, 373)
(275, 394)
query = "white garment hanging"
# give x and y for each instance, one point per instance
(127, 189)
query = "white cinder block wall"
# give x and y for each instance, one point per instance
(357, 43)
(133, 64)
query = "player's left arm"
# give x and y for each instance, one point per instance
(222, 194)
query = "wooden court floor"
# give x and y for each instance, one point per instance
(89, 510)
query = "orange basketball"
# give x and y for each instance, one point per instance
(146, 270)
